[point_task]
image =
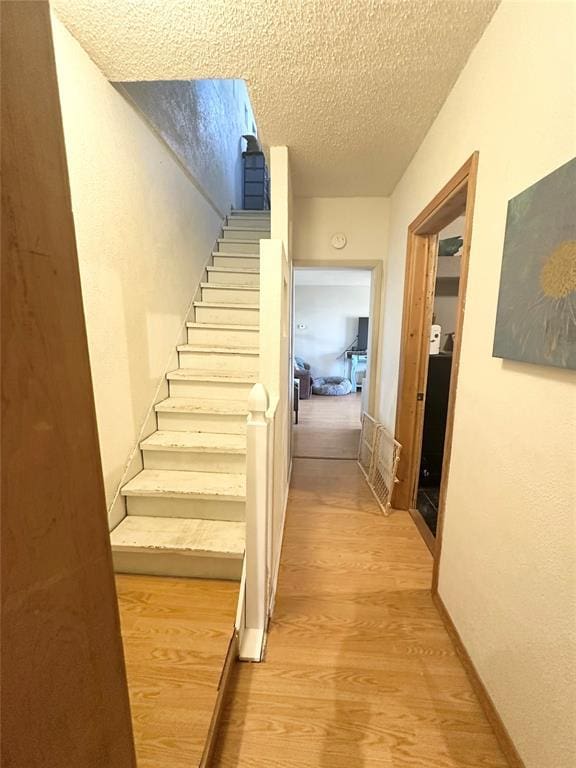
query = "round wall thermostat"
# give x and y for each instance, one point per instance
(338, 240)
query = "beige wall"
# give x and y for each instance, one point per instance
(508, 561)
(364, 221)
(144, 233)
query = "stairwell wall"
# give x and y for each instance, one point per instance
(144, 234)
(507, 575)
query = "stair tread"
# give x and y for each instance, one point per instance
(193, 374)
(233, 270)
(227, 327)
(202, 405)
(218, 349)
(197, 442)
(229, 287)
(181, 535)
(231, 240)
(229, 255)
(228, 227)
(226, 304)
(170, 483)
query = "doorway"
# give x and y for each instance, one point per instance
(434, 301)
(442, 336)
(331, 360)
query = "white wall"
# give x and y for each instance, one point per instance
(144, 233)
(202, 121)
(508, 560)
(330, 315)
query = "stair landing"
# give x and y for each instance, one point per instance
(176, 634)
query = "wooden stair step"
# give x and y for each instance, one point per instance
(224, 326)
(218, 350)
(233, 270)
(182, 536)
(173, 484)
(230, 241)
(229, 286)
(202, 406)
(195, 442)
(225, 305)
(228, 377)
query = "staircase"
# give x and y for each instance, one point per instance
(186, 508)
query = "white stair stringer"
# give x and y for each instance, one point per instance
(186, 508)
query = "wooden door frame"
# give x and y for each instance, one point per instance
(64, 691)
(456, 197)
(375, 311)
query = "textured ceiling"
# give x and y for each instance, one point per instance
(351, 86)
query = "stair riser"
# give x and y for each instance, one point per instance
(210, 389)
(249, 222)
(231, 295)
(158, 506)
(195, 462)
(185, 566)
(223, 337)
(214, 361)
(234, 278)
(227, 315)
(229, 247)
(236, 261)
(202, 422)
(245, 234)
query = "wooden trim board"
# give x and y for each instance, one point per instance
(423, 529)
(223, 685)
(64, 692)
(457, 196)
(464, 266)
(506, 744)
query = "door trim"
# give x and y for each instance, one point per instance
(455, 198)
(375, 267)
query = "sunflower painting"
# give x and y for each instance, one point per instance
(536, 318)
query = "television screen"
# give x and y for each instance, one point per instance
(362, 334)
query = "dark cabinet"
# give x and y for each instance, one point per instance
(255, 193)
(435, 416)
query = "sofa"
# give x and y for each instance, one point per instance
(302, 373)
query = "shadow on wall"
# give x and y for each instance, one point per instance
(202, 122)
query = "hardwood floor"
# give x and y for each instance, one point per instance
(329, 427)
(359, 669)
(175, 634)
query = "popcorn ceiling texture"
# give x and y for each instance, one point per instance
(351, 87)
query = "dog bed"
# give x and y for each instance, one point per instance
(331, 385)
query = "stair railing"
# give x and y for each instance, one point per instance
(268, 427)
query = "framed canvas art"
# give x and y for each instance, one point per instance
(536, 317)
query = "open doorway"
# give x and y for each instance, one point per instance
(331, 357)
(442, 336)
(434, 301)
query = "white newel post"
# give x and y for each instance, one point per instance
(257, 432)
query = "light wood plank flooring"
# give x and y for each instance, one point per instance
(359, 670)
(175, 634)
(329, 427)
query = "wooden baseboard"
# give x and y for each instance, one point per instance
(423, 530)
(227, 669)
(500, 731)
